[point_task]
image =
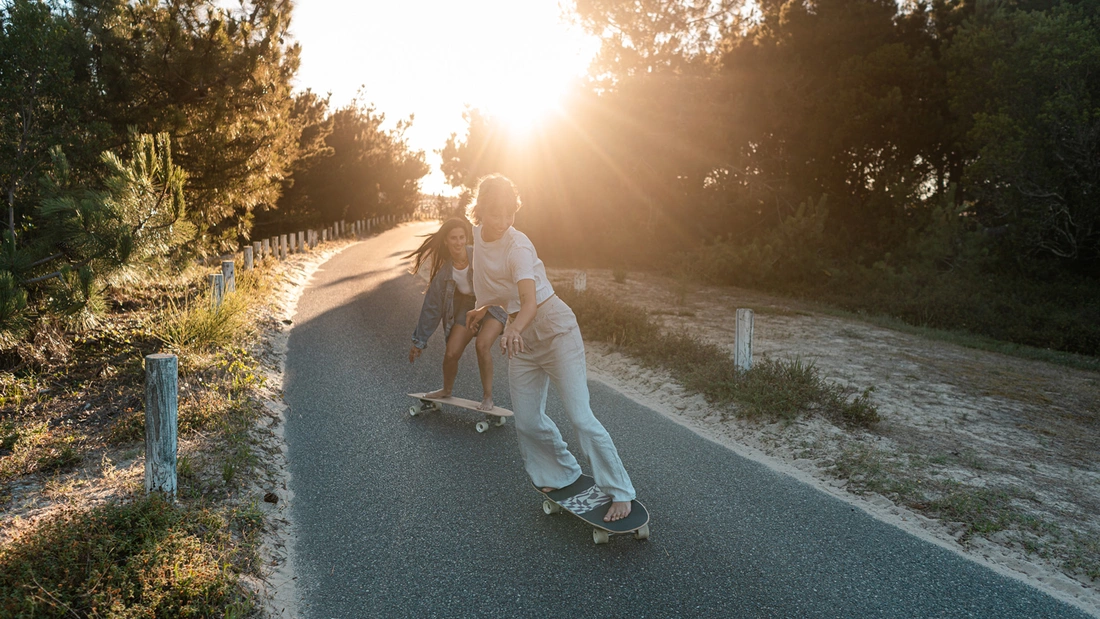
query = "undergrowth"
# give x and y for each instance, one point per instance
(771, 389)
(144, 558)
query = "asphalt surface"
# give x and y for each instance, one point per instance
(423, 517)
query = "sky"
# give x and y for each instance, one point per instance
(430, 58)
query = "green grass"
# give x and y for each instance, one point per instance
(145, 558)
(199, 325)
(772, 389)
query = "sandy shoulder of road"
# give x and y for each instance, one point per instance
(979, 419)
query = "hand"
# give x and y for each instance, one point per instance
(414, 354)
(473, 318)
(511, 343)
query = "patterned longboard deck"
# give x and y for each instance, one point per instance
(584, 499)
(463, 403)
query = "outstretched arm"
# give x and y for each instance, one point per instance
(511, 341)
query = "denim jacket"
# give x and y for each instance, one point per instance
(439, 303)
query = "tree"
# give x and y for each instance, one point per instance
(45, 96)
(1028, 85)
(86, 233)
(362, 170)
(217, 81)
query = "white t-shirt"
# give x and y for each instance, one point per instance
(500, 265)
(462, 280)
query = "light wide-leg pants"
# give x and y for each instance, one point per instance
(554, 352)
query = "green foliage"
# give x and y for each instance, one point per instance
(1030, 82)
(217, 80)
(143, 558)
(46, 102)
(199, 325)
(363, 169)
(84, 235)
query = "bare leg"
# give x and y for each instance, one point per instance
(456, 344)
(486, 339)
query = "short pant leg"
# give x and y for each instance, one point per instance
(545, 454)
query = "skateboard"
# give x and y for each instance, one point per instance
(584, 499)
(495, 417)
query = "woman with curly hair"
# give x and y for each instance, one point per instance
(543, 344)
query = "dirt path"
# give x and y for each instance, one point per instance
(986, 454)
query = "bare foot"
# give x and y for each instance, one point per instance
(617, 511)
(549, 489)
(442, 393)
(486, 404)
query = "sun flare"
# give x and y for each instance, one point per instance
(528, 65)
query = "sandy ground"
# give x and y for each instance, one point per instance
(982, 419)
(979, 419)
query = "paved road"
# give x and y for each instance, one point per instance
(424, 517)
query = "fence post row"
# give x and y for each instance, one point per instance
(161, 417)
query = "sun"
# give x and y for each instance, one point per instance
(526, 66)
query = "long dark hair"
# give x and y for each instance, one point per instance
(433, 250)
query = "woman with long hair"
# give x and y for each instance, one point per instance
(543, 344)
(449, 297)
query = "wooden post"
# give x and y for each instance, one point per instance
(324, 235)
(161, 417)
(282, 247)
(229, 277)
(248, 258)
(216, 289)
(580, 281)
(257, 251)
(742, 344)
(301, 241)
(292, 239)
(267, 247)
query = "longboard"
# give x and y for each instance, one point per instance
(495, 417)
(584, 499)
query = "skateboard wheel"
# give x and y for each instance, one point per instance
(500, 421)
(549, 507)
(642, 533)
(482, 426)
(413, 411)
(600, 536)
(436, 406)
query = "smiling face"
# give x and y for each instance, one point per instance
(495, 221)
(456, 244)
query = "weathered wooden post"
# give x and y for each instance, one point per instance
(742, 344)
(229, 277)
(301, 241)
(267, 247)
(161, 417)
(324, 235)
(217, 291)
(247, 258)
(580, 281)
(257, 251)
(282, 247)
(292, 239)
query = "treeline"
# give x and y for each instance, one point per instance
(937, 161)
(145, 133)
